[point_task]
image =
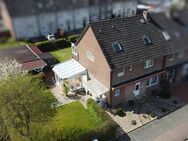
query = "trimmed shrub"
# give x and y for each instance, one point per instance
(175, 102)
(152, 115)
(120, 112)
(164, 110)
(133, 122)
(131, 102)
(165, 92)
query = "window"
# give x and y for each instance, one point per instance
(166, 35)
(148, 63)
(117, 47)
(117, 92)
(90, 56)
(171, 57)
(152, 81)
(146, 39)
(74, 49)
(121, 72)
(130, 68)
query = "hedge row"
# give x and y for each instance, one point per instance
(106, 131)
(47, 46)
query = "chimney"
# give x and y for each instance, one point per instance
(145, 15)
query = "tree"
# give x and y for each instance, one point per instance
(10, 68)
(24, 103)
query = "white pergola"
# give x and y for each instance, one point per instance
(96, 88)
(67, 70)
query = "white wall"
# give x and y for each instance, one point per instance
(25, 27)
(80, 16)
(47, 23)
(66, 20)
(124, 8)
(94, 13)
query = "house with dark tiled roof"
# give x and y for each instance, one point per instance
(122, 57)
(33, 18)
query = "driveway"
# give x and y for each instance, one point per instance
(173, 127)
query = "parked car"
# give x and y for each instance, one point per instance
(50, 37)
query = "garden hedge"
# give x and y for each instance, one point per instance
(106, 131)
(47, 46)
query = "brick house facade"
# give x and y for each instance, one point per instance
(140, 63)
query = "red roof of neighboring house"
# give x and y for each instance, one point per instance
(34, 65)
(36, 50)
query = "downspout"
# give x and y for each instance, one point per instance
(110, 88)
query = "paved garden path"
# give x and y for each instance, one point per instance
(61, 100)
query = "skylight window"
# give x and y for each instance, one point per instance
(166, 35)
(146, 39)
(117, 47)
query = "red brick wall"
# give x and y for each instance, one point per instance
(127, 90)
(99, 68)
(137, 71)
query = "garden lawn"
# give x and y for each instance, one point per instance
(72, 120)
(62, 54)
(7, 43)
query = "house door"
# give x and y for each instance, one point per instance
(137, 89)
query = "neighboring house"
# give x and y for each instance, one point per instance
(122, 57)
(33, 18)
(176, 63)
(30, 58)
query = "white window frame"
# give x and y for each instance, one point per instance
(90, 55)
(172, 58)
(166, 35)
(74, 50)
(119, 74)
(150, 81)
(130, 68)
(146, 63)
(117, 92)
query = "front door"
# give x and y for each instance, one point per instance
(137, 89)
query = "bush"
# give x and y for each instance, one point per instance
(107, 129)
(175, 102)
(152, 115)
(165, 92)
(120, 112)
(131, 102)
(133, 122)
(97, 112)
(164, 110)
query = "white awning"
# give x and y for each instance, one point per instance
(68, 69)
(96, 88)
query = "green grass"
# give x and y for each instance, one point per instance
(62, 54)
(71, 121)
(7, 43)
